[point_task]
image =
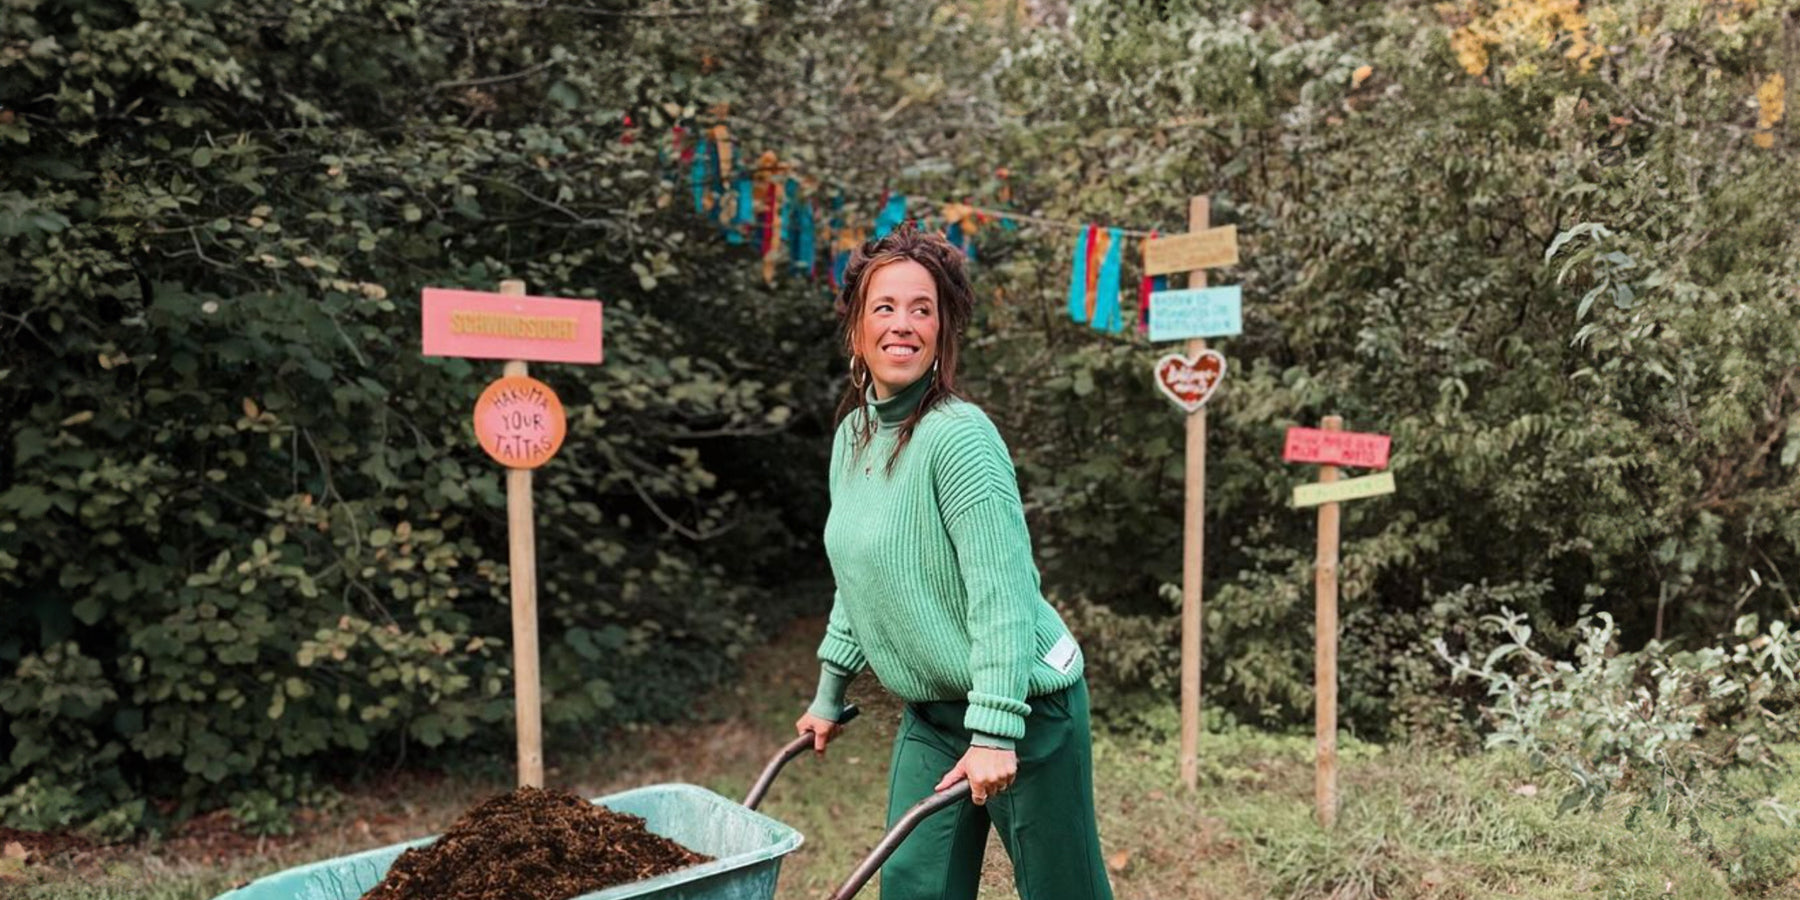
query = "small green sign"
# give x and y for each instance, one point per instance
(1348, 489)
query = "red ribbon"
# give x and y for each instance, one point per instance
(768, 235)
(1144, 288)
(1093, 266)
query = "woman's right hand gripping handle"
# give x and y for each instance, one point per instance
(824, 731)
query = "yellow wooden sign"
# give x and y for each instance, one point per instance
(1348, 489)
(1207, 249)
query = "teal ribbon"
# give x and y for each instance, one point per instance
(1078, 280)
(746, 208)
(700, 172)
(891, 216)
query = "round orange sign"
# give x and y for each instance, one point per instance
(519, 422)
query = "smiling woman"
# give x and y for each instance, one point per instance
(937, 593)
(897, 338)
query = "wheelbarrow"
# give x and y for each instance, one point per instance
(746, 845)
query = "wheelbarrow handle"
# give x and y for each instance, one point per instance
(890, 842)
(794, 748)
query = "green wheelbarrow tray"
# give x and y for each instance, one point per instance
(746, 846)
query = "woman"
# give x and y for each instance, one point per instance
(938, 594)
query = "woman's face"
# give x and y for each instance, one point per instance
(899, 330)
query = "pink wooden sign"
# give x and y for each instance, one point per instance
(480, 325)
(1337, 448)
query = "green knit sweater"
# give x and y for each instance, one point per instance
(936, 588)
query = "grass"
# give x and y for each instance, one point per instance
(1413, 823)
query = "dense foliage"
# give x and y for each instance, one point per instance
(1550, 251)
(243, 530)
(244, 533)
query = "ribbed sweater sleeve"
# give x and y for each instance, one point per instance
(841, 657)
(841, 660)
(978, 496)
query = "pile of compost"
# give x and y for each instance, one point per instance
(532, 844)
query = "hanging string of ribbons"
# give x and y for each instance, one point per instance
(776, 210)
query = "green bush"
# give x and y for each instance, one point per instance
(1671, 729)
(247, 545)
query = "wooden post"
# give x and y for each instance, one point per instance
(1193, 542)
(1325, 582)
(522, 541)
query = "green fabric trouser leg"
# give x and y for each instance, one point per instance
(1045, 820)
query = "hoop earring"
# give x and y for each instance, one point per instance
(860, 381)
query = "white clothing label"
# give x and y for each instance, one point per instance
(1062, 656)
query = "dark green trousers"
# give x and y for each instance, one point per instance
(1045, 820)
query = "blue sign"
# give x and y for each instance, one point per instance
(1197, 313)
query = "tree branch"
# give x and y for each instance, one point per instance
(495, 79)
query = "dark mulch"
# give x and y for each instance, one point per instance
(532, 844)
(39, 846)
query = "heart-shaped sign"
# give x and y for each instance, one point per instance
(1190, 382)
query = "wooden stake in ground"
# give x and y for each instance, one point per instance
(1330, 447)
(520, 423)
(1193, 542)
(522, 560)
(1325, 587)
(1194, 315)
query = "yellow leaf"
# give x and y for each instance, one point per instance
(86, 415)
(1361, 75)
(1763, 139)
(250, 409)
(1771, 101)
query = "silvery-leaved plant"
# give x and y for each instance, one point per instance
(1659, 726)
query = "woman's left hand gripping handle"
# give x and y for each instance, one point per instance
(824, 731)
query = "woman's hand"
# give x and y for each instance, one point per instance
(989, 770)
(823, 730)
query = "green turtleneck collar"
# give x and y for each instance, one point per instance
(893, 411)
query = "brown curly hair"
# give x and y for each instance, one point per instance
(955, 305)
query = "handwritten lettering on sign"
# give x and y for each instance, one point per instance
(1348, 489)
(1186, 252)
(1190, 381)
(1197, 313)
(1337, 448)
(479, 325)
(520, 422)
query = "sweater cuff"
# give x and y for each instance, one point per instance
(988, 740)
(842, 653)
(1001, 717)
(828, 702)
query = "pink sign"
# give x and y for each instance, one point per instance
(1337, 448)
(502, 326)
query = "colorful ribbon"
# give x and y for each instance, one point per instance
(802, 253)
(700, 173)
(840, 255)
(892, 214)
(1107, 316)
(1146, 286)
(1096, 251)
(1078, 279)
(746, 208)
